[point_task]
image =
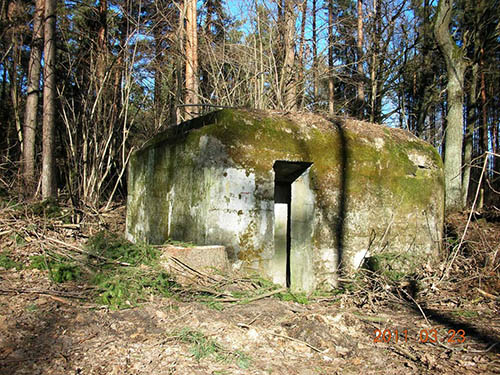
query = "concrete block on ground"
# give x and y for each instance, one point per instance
(206, 259)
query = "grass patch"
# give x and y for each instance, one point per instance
(205, 347)
(126, 287)
(123, 274)
(213, 304)
(469, 314)
(50, 209)
(61, 269)
(295, 297)
(121, 286)
(201, 346)
(114, 247)
(31, 308)
(7, 262)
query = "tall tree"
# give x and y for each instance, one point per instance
(102, 39)
(331, 83)
(49, 97)
(361, 73)
(191, 46)
(287, 81)
(456, 64)
(301, 94)
(33, 88)
(16, 33)
(375, 61)
(315, 83)
(469, 132)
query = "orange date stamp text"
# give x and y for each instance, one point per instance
(425, 335)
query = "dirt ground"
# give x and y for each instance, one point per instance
(44, 330)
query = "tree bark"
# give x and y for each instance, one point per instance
(102, 36)
(455, 67)
(49, 93)
(191, 48)
(16, 40)
(301, 96)
(331, 83)
(288, 82)
(374, 115)
(33, 91)
(471, 121)
(315, 54)
(483, 132)
(360, 90)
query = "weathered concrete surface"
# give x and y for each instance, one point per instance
(370, 191)
(206, 259)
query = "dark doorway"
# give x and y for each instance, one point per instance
(285, 173)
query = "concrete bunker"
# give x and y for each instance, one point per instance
(293, 198)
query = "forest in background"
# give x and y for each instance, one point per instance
(84, 83)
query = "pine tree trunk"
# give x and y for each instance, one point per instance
(33, 91)
(315, 54)
(331, 83)
(301, 95)
(455, 67)
(471, 121)
(483, 131)
(374, 113)
(360, 90)
(287, 77)
(191, 59)
(49, 93)
(102, 35)
(16, 40)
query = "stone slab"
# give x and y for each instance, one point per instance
(207, 259)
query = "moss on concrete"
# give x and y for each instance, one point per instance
(255, 140)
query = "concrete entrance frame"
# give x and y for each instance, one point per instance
(293, 224)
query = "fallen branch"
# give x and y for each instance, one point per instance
(193, 270)
(265, 295)
(416, 303)
(403, 352)
(67, 226)
(81, 251)
(486, 294)
(57, 293)
(375, 319)
(296, 340)
(5, 232)
(243, 325)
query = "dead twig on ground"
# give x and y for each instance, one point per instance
(486, 294)
(243, 325)
(191, 269)
(417, 304)
(57, 293)
(403, 352)
(457, 250)
(375, 319)
(296, 340)
(265, 295)
(81, 251)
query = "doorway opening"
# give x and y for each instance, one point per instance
(285, 173)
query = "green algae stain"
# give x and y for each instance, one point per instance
(248, 252)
